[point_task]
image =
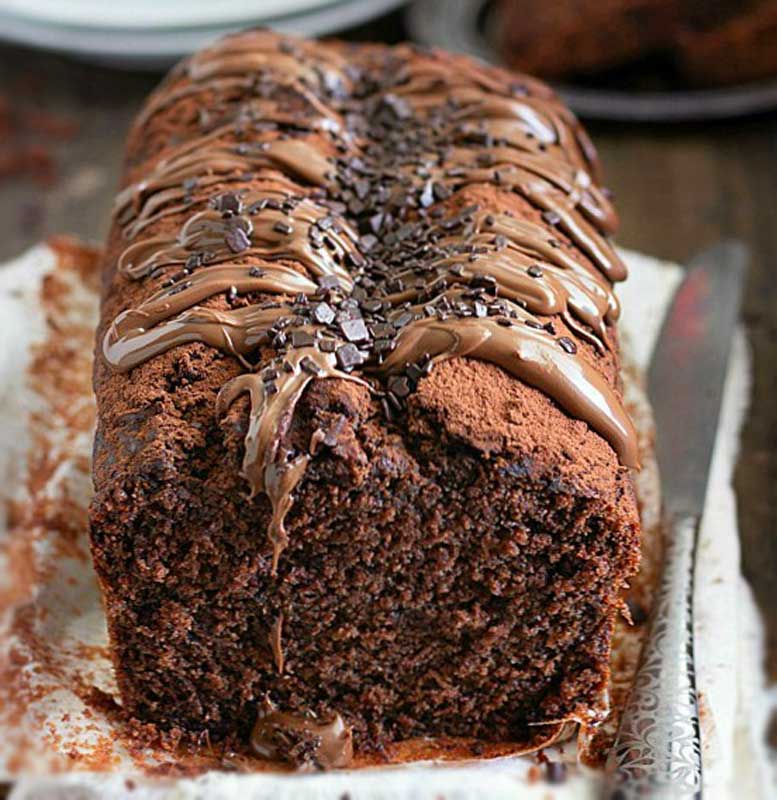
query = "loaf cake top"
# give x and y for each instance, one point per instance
(343, 248)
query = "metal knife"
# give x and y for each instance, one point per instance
(657, 752)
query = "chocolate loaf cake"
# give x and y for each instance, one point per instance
(567, 38)
(362, 467)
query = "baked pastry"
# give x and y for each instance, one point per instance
(362, 466)
(707, 43)
(581, 37)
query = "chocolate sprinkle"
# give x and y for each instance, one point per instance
(237, 240)
(229, 202)
(323, 313)
(310, 366)
(354, 330)
(568, 345)
(329, 282)
(301, 339)
(399, 386)
(349, 356)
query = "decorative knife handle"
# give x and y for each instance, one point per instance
(657, 753)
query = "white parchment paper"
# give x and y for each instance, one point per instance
(58, 737)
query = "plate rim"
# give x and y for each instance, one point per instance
(205, 15)
(157, 49)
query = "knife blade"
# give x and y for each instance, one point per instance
(688, 370)
(657, 752)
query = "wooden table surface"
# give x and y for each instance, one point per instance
(678, 189)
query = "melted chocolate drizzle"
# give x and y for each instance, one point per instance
(345, 235)
(303, 739)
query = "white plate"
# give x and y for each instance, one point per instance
(147, 14)
(154, 47)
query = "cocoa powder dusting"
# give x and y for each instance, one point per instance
(47, 530)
